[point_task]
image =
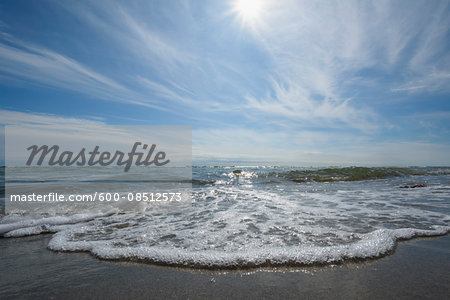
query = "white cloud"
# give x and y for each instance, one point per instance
(294, 147)
(9, 117)
(130, 28)
(50, 68)
(433, 81)
(320, 48)
(77, 133)
(307, 147)
(39, 65)
(319, 56)
(297, 102)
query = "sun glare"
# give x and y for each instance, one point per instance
(249, 11)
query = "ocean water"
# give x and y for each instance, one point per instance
(238, 217)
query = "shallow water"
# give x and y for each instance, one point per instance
(257, 216)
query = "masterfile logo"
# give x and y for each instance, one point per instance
(96, 165)
(95, 157)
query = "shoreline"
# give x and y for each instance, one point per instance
(251, 267)
(417, 268)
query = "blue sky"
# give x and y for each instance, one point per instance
(298, 82)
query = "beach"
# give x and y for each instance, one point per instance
(237, 149)
(246, 233)
(418, 268)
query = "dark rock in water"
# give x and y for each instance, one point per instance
(168, 236)
(299, 180)
(413, 186)
(348, 174)
(237, 171)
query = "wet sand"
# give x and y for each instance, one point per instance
(418, 269)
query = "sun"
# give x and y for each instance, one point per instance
(248, 11)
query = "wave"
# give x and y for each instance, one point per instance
(228, 175)
(247, 223)
(31, 226)
(70, 237)
(372, 245)
(355, 173)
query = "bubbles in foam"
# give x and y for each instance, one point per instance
(371, 245)
(244, 219)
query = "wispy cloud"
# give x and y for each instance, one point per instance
(174, 67)
(130, 27)
(299, 104)
(320, 73)
(315, 148)
(321, 49)
(10, 117)
(44, 66)
(304, 147)
(38, 65)
(315, 48)
(433, 80)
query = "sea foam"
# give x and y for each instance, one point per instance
(250, 217)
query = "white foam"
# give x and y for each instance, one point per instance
(241, 222)
(371, 245)
(28, 225)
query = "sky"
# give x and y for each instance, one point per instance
(288, 81)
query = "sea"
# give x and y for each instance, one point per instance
(238, 217)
